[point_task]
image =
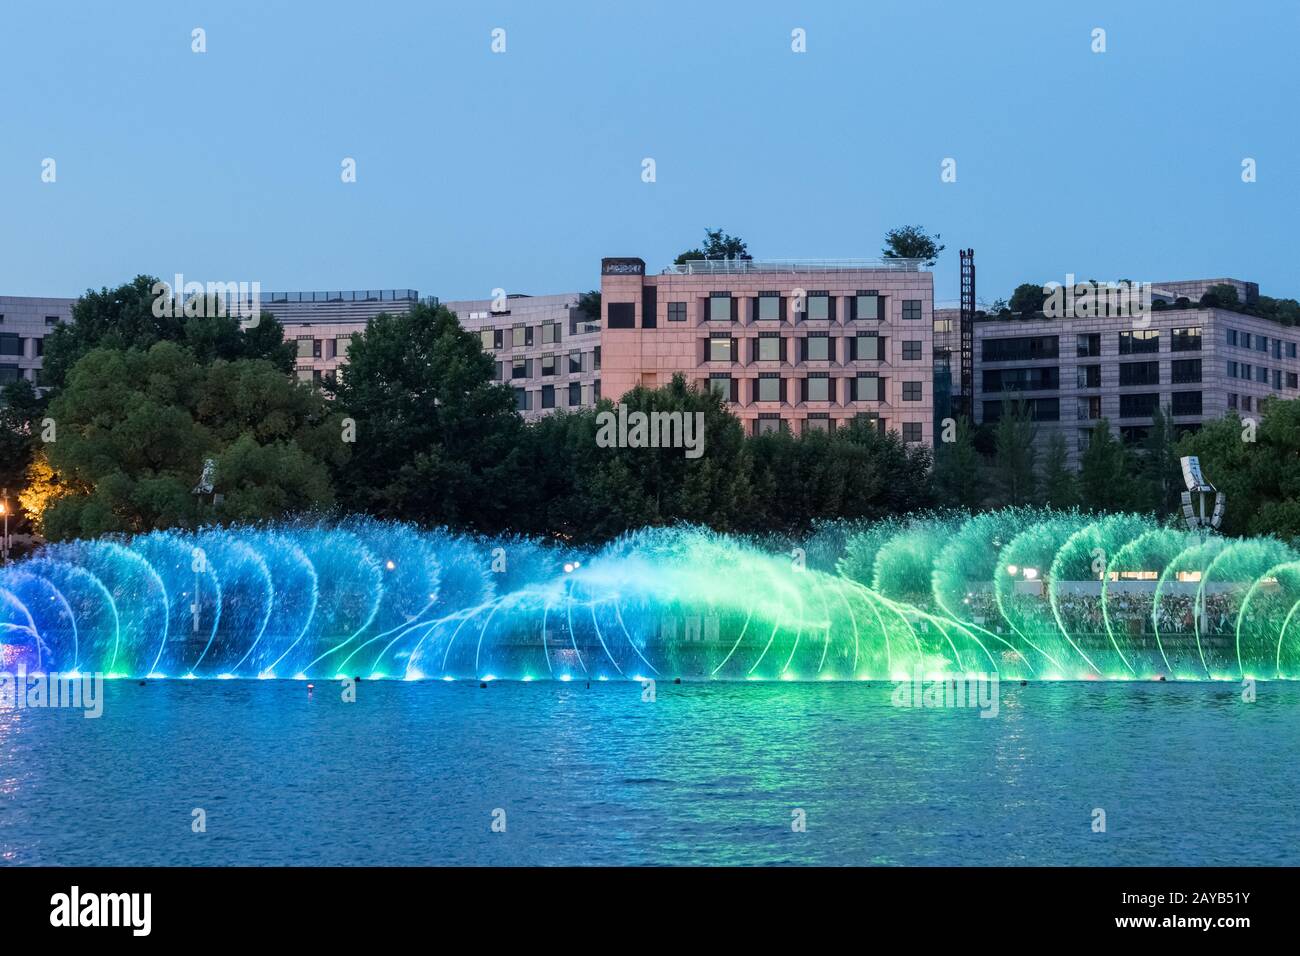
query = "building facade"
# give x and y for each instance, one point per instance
(1195, 364)
(793, 345)
(320, 324)
(24, 323)
(545, 347)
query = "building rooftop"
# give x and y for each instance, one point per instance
(748, 266)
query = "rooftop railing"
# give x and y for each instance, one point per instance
(356, 295)
(749, 266)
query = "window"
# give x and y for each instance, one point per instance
(1141, 405)
(10, 344)
(1089, 376)
(1292, 380)
(521, 336)
(1290, 350)
(51, 320)
(769, 306)
(521, 399)
(819, 306)
(1022, 379)
(1020, 349)
(911, 431)
(550, 333)
(1185, 340)
(622, 315)
(1136, 343)
(768, 347)
(40, 348)
(676, 311)
(308, 348)
(595, 358)
(1089, 408)
(1245, 403)
(548, 396)
(1139, 373)
(817, 388)
(487, 339)
(817, 422)
(769, 387)
(768, 424)
(719, 306)
(911, 391)
(548, 364)
(868, 388)
(866, 306)
(1182, 371)
(1277, 378)
(1089, 346)
(867, 348)
(1039, 409)
(1232, 370)
(498, 369)
(519, 368)
(911, 309)
(1261, 343)
(1261, 374)
(721, 386)
(1232, 400)
(1232, 336)
(720, 348)
(575, 394)
(816, 348)
(911, 351)
(341, 345)
(1244, 340)
(1186, 403)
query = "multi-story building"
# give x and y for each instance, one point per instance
(789, 344)
(1193, 363)
(320, 324)
(544, 346)
(24, 323)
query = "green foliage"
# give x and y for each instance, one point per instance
(1058, 487)
(1104, 481)
(1028, 297)
(912, 242)
(135, 426)
(124, 318)
(717, 245)
(958, 469)
(1014, 454)
(437, 441)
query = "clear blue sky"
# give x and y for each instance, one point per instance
(521, 170)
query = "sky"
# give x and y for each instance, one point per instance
(478, 170)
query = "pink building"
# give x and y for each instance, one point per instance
(789, 344)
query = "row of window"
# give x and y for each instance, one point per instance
(1088, 344)
(15, 345)
(1046, 378)
(519, 336)
(547, 365)
(773, 347)
(50, 320)
(1263, 375)
(818, 306)
(1141, 405)
(771, 387)
(767, 424)
(337, 347)
(1261, 343)
(579, 395)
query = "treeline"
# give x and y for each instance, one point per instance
(417, 430)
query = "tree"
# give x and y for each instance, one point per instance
(1221, 295)
(21, 410)
(135, 427)
(1159, 469)
(1058, 486)
(1027, 298)
(958, 478)
(126, 317)
(585, 490)
(1014, 454)
(912, 242)
(589, 304)
(717, 245)
(1104, 478)
(437, 440)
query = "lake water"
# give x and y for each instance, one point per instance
(709, 773)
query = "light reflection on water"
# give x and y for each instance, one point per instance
(707, 774)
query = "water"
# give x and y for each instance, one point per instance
(709, 773)
(1024, 593)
